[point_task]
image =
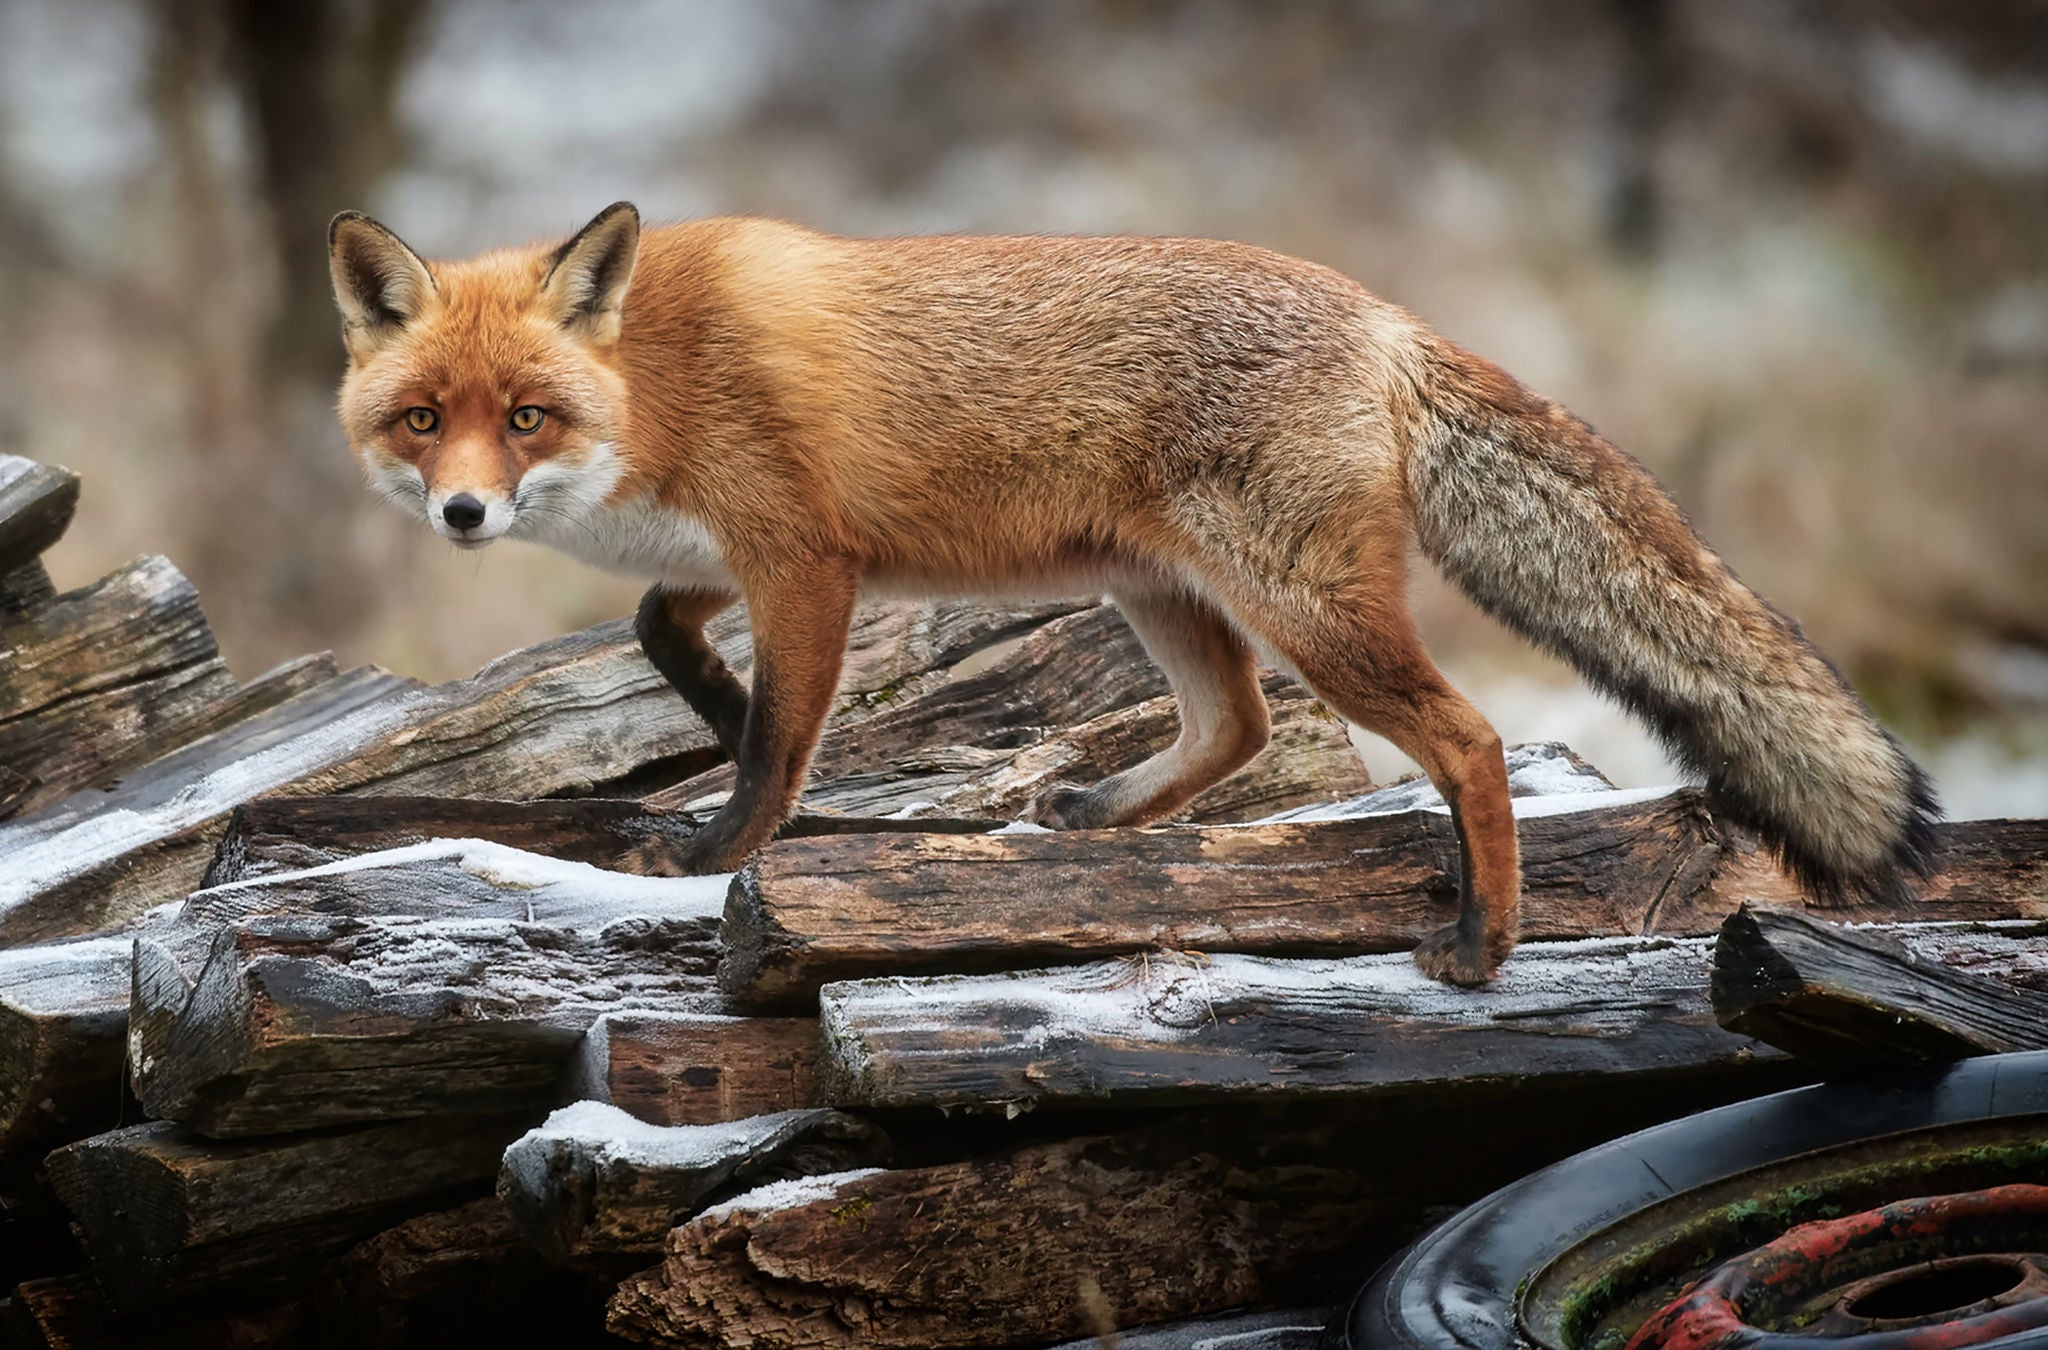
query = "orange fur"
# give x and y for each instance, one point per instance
(1236, 445)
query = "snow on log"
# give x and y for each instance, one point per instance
(1044, 1243)
(162, 1214)
(341, 1007)
(96, 859)
(593, 1184)
(63, 1009)
(285, 834)
(1849, 999)
(670, 1068)
(806, 912)
(1170, 1028)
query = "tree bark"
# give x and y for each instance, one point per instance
(63, 1011)
(37, 502)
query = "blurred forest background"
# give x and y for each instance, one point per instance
(1791, 253)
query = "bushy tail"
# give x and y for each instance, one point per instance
(1571, 543)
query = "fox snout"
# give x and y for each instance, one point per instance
(469, 518)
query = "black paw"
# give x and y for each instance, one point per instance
(658, 857)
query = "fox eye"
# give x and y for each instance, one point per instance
(422, 420)
(527, 419)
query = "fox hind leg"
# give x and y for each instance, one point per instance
(1372, 670)
(1223, 719)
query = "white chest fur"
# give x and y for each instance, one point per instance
(640, 539)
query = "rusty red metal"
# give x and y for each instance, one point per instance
(1877, 1280)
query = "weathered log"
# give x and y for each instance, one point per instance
(806, 912)
(288, 834)
(1063, 672)
(97, 672)
(579, 715)
(1044, 1243)
(1853, 999)
(1310, 760)
(1175, 1028)
(63, 1009)
(1985, 870)
(94, 860)
(162, 1214)
(337, 1011)
(461, 1276)
(36, 505)
(696, 1068)
(593, 1184)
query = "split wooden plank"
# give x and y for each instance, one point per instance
(1852, 999)
(286, 834)
(98, 671)
(593, 1185)
(339, 1011)
(1167, 1029)
(807, 912)
(1062, 672)
(669, 1068)
(37, 502)
(1043, 1243)
(1309, 760)
(162, 1214)
(63, 1012)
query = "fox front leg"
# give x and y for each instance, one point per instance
(800, 629)
(670, 626)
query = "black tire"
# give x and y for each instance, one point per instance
(1456, 1287)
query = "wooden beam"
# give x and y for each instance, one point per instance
(342, 1009)
(1172, 1029)
(1854, 999)
(806, 912)
(670, 1068)
(164, 1215)
(593, 1185)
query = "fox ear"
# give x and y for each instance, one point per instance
(586, 281)
(379, 283)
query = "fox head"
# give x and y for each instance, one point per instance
(485, 394)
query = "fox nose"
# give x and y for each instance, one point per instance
(463, 511)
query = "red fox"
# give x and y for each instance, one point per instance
(1238, 447)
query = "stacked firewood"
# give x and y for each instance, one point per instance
(324, 1018)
